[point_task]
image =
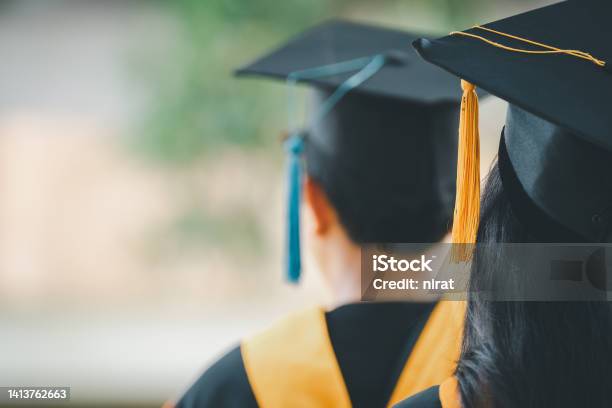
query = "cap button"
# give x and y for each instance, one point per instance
(596, 219)
(396, 57)
(295, 144)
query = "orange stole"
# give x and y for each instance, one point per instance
(435, 354)
(294, 364)
(449, 393)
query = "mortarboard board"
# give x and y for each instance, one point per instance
(384, 122)
(553, 67)
(405, 75)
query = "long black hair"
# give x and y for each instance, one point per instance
(529, 354)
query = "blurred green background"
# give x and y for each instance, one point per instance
(198, 102)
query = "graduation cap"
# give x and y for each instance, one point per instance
(382, 128)
(553, 67)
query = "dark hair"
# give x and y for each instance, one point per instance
(529, 354)
(370, 214)
(387, 166)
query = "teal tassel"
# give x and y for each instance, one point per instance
(294, 147)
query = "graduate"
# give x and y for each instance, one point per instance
(551, 184)
(375, 163)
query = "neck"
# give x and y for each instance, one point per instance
(343, 272)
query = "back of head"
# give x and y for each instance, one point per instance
(387, 166)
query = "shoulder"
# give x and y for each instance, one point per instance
(426, 399)
(224, 384)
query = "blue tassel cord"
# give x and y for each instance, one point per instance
(294, 145)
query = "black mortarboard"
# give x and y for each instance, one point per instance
(383, 128)
(553, 65)
(405, 76)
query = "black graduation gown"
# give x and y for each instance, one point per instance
(429, 398)
(371, 341)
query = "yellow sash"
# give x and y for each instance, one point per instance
(449, 393)
(293, 364)
(435, 353)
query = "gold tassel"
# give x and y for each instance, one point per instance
(467, 200)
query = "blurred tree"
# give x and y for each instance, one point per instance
(199, 107)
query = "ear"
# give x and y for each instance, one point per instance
(315, 198)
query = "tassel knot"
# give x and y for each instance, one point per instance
(467, 86)
(294, 145)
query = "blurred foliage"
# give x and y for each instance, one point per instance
(199, 107)
(199, 231)
(196, 226)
